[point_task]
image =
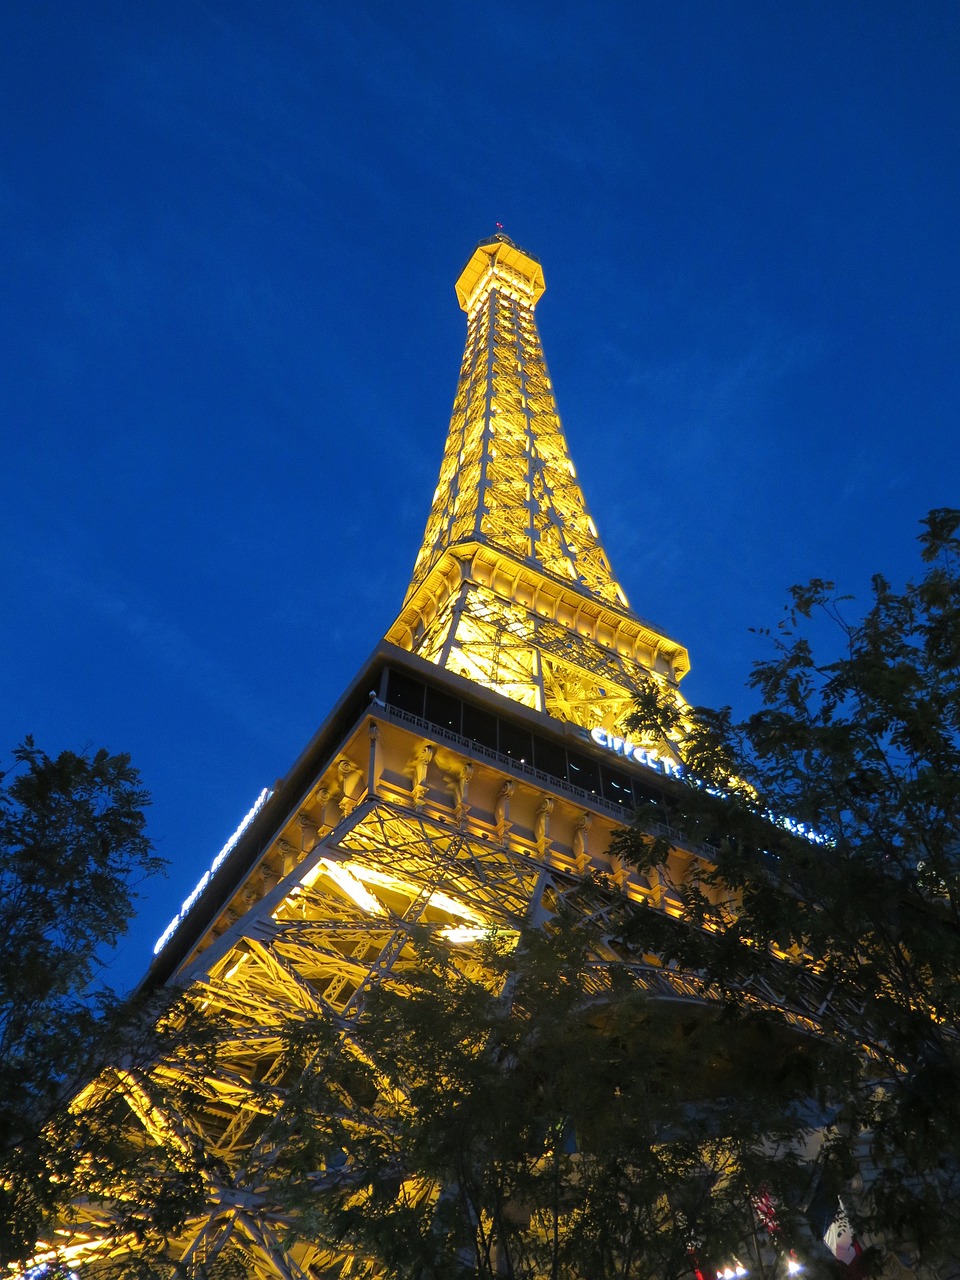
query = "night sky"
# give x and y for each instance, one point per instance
(230, 339)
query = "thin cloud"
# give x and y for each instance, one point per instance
(168, 646)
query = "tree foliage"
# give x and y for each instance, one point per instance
(72, 843)
(830, 824)
(73, 851)
(536, 1115)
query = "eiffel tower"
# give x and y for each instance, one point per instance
(470, 777)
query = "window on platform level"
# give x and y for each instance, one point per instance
(443, 709)
(550, 759)
(497, 733)
(617, 786)
(480, 727)
(515, 742)
(405, 693)
(583, 772)
(642, 794)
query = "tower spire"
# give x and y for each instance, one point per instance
(507, 479)
(511, 587)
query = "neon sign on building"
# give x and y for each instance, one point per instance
(205, 879)
(651, 759)
(648, 757)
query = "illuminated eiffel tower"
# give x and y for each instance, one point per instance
(469, 778)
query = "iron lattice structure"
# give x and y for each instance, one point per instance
(512, 588)
(455, 789)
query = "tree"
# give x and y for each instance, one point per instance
(829, 824)
(526, 1110)
(73, 851)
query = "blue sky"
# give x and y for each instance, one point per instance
(230, 339)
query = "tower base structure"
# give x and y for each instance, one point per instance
(425, 806)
